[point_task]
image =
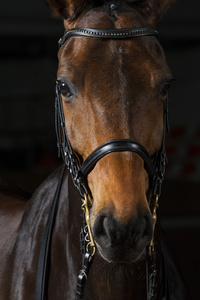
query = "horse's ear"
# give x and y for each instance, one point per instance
(153, 10)
(67, 9)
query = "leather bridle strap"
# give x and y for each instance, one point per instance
(108, 33)
(119, 145)
(44, 257)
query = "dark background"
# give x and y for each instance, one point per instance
(28, 64)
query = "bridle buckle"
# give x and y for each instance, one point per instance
(90, 247)
(154, 220)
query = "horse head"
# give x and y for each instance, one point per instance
(114, 89)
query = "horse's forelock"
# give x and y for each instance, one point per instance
(71, 9)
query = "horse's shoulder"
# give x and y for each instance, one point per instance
(13, 201)
(19, 211)
(20, 220)
(41, 200)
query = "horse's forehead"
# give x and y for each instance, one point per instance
(140, 57)
(82, 50)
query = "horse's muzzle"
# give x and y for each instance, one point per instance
(122, 243)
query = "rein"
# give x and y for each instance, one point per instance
(155, 168)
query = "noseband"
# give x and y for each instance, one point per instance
(155, 168)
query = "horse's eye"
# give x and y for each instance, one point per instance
(165, 88)
(64, 89)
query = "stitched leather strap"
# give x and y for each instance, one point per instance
(108, 34)
(119, 145)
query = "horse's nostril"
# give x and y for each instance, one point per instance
(108, 229)
(144, 230)
(102, 231)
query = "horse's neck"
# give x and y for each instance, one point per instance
(65, 249)
(22, 259)
(104, 281)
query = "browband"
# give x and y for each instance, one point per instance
(108, 34)
(119, 145)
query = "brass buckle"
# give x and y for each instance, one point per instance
(154, 220)
(85, 208)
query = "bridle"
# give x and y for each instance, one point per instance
(155, 168)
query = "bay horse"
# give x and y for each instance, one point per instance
(111, 119)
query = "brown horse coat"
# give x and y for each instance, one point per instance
(111, 90)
